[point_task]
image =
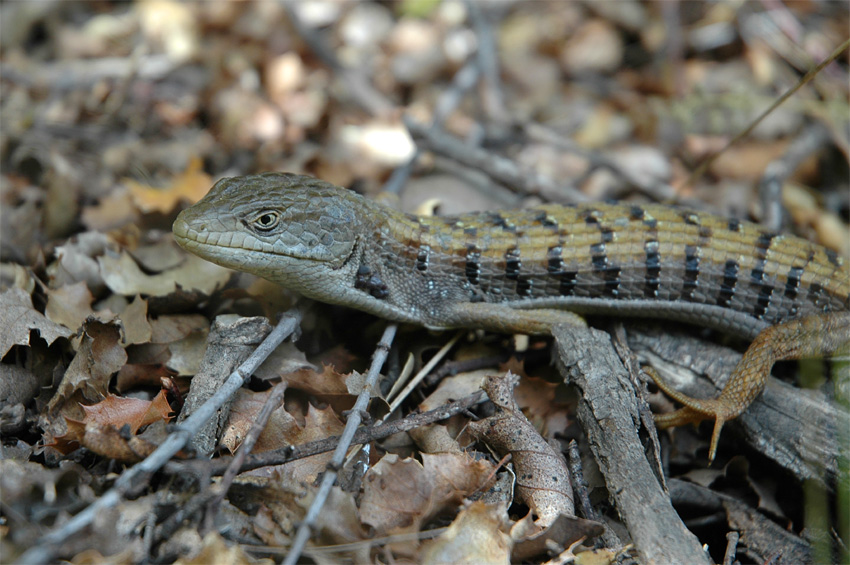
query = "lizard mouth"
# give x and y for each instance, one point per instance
(200, 244)
(210, 245)
(214, 246)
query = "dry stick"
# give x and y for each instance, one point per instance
(367, 96)
(363, 436)
(350, 547)
(811, 139)
(466, 365)
(272, 402)
(492, 98)
(579, 484)
(463, 80)
(414, 382)
(354, 418)
(497, 167)
(790, 92)
(83, 73)
(731, 548)
(659, 190)
(44, 549)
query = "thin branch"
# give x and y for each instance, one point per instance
(499, 168)
(272, 402)
(810, 140)
(659, 190)
(354, 417)
(487, 55)
(429, 366)
(363, 436)
(362, 91)
(44, 549)
(790, 92)
(450, 99)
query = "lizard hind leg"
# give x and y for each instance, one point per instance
(811, 336)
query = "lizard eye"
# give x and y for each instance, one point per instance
(266, 220)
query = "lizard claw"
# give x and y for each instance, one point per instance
(693, 411)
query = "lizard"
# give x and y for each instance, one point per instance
(524, 271)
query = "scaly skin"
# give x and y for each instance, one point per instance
(525, 270)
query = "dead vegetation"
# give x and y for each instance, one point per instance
(115, 116)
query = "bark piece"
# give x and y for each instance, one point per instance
(230, 342)
(609, 414)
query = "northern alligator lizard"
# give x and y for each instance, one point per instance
(523, 271)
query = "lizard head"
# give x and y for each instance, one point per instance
(271, 224)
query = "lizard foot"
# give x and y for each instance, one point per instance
(694, 410)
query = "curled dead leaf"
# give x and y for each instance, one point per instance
(543, 480)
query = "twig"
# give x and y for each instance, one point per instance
(44, 549)
(363, 436)
(660, 190)
(790, 92)
(362, 91)
(579, 484)
(348, 548)
(306, 527)
(497, 167)
(731, 548)
(463, 80)
(777, 172)
(272, 402)
(492, 98)
(78, 74)
(466, 365)
(429, 366)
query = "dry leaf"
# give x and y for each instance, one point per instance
(396, 496)
(536, 397)
(134, 322)
(477, 535)
(400, 495)
(216, 551)
(186, 355)
(160, 256)
(543, 480)
(132, 376)
(530, 539)
(99, 356)
(111, 212)
(17, 385)
(69, 305)
(454, 387)
(123, 276)
(76, 261)
(105, 440)
(289, 361)
(18, 318)
(103, 431)
(173, 327)
(282, 430)
(191, 185)
(117, 411)
(326, 385)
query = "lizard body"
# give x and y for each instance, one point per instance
(525, 270)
